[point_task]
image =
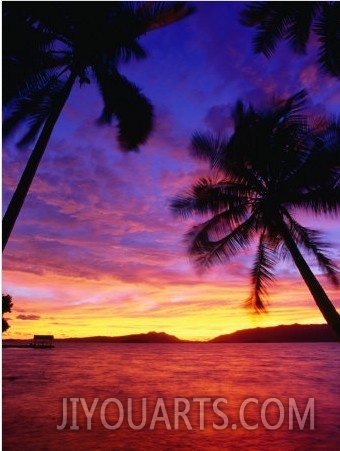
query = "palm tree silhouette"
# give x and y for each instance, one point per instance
(49, 46)
(293, 21)
(275, 163)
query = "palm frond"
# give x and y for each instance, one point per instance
(127, 51)
(293, 104)
(227, 157)
(207, 250)
(319, 200)
(124, 101)
(262, 274)
(261, 138)
(276, 21)
(207, 146)
(300, 24)
(33, 109)
(318, 166)
(254, 13)
(314, 180)
(54, 19)
(26, 55)
(239, 113)
(293, 21)
(154, 15)
(212, 196)
(24, 86)
(311, 241)
(271, 20)
(327, 28)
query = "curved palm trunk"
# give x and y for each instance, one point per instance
(26, 179)
(320, 297)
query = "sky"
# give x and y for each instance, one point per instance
(96, 249)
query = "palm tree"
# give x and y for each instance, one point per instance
(49, 46)
(294, 21)
(275, 163)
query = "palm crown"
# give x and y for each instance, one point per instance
(48, 43)
(51, 45)
(294, 22)
(275, 163)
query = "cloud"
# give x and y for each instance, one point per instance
(218, 118)
(28, 317)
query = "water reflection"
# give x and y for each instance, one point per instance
(36, 381)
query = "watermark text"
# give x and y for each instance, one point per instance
(190, 413)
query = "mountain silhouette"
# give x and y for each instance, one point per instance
(150, 337)
(279, 334)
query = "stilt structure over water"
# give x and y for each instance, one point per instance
(43, 341)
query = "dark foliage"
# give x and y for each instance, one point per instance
(7, 305)
(294, 22)
(48, 46)
(276, 162)
(45, 42)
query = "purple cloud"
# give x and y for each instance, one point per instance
(28, 317)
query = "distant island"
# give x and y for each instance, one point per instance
(294, 333)
(150, 337)
(279, 334)
(276, 334)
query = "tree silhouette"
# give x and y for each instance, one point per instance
(294, 21)
(275, 163)
(7, 305)
(48, 46)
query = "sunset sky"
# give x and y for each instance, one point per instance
(96, 249)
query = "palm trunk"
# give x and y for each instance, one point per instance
(27, 177)
(320, 297)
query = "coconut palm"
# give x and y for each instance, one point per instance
(294, 21)
(49, 46)
(275, 163)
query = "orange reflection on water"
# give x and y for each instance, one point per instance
(213, 380)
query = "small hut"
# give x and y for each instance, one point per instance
(43, 341)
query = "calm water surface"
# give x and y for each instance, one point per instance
(36, 381)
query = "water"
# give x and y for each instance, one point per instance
(35, 381)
